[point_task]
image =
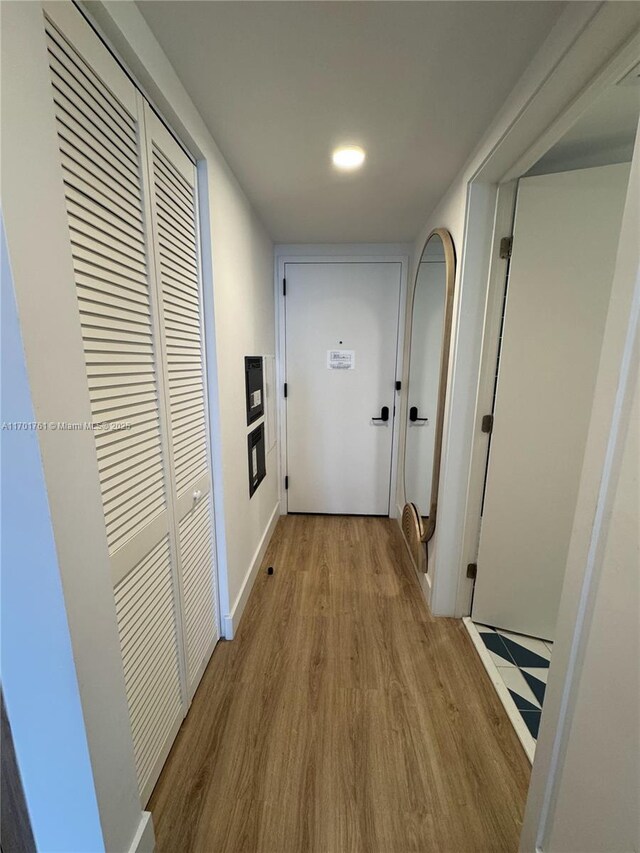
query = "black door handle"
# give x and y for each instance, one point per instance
(384, 414)
(413, 415)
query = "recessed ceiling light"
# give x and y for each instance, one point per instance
(348, 157)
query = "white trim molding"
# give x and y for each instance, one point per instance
(144, 840)
(232, 619)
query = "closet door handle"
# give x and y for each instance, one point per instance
(384, 414)
(413, 415)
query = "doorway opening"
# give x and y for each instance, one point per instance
(568, 215)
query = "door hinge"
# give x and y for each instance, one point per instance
(285, 389)
(398, 385)
(506, 245)
(284, 287)
(472, 571)
(487, 423)
(286, 482)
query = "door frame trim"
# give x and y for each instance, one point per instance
(365, 253)
(498, 271)
(491, 192)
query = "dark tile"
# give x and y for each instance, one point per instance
(532, 720)
(495, 643)
(522, 656)
(537, 686)
(522, 704)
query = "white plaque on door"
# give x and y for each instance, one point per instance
(341, 359)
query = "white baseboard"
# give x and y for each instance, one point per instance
(144, 841)
(425, 584)
(524, 735)
(232, 620)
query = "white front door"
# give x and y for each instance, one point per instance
(341, 344)
(564, 250)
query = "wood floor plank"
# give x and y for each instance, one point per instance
(344, 718)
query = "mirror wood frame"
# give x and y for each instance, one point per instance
(416, 533)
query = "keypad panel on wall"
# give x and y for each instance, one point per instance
(256, 458)
(254, 387)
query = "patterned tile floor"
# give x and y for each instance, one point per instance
(523, 665)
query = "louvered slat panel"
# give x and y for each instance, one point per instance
(148, 638)
(88, 87)
(176, 254)
(128, 405)
(178, 272)
(196, 555)
(98, 140)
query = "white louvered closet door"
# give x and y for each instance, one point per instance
(172, 179)
(141, 374)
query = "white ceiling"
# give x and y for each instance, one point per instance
(281, 83)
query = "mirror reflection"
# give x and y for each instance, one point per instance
(427, 329)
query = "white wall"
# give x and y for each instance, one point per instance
(39, 679)
(244, 312)
(239, 303)
(598, 795)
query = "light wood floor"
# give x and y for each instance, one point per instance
(343, 717)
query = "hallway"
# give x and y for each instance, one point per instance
(343, 717)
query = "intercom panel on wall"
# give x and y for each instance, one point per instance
(256, 458)
(254, 383)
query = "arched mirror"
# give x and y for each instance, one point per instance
(431, 313)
